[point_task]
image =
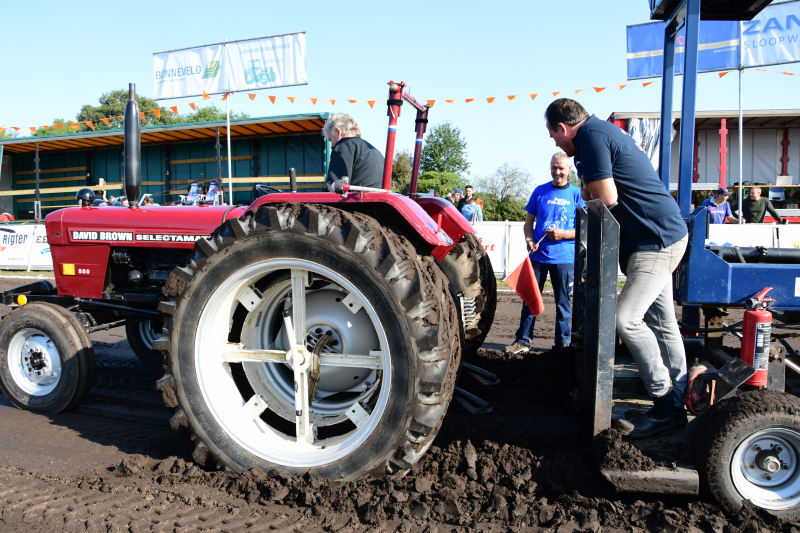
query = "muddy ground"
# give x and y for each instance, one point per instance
(114, 464)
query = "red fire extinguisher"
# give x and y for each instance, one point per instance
(756, 336)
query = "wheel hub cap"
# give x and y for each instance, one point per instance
(34, 362)
(764, 469)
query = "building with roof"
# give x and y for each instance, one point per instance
(173, 157)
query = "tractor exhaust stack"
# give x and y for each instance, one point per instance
(133, 149)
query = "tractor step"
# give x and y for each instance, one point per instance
(484, 377)
(471, 403)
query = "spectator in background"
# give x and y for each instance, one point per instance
(149, 201)
(552, 209)
(719, 208)
(754, 207)
(101, 193)
(471, 210)
(468, 190)
(456, 197)
(351, 156)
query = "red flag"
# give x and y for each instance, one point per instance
(524, 283)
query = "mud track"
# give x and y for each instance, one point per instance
(115, 464)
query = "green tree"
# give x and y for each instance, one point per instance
(8, 133)
(401, 171)
(445, 150)
(505, 193)
(573, 178)
(209, 114)
(441, 182)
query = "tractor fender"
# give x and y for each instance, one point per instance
(393, 207)
(453, 222)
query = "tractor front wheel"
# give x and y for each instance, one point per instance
(141, 336)
(309, 339)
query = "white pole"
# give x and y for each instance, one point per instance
(741, 124)
(228, 122)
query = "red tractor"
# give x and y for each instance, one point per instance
(317, 332)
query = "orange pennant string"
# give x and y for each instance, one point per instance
(646, 84)
(371, 103)
(622, 86)
(17, 129)
(578, 90)
(313, 101)
(556, 92)
(490, 99)
(252, 96)
(271, 98)
(205, 96)
(512, 96)
(788, 73)
(2, 130)
(89, 123)
(58, 126)
(191, 104)
(107, 121)
(431, 102)
(224, 97)
(468, 100)
(352, 101)
(174, 109)
(598, 89)
(291, 98)
(74, 125)
(157, 112)
(141, 116)
(332, 101)
(450, 101)
(721, 74)
(33, 130)
(533, 96)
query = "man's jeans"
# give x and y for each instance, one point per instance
(561, 277)
(646, 320)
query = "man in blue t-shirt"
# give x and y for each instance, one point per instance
(719, 208)
(551, 244)
(652, 241)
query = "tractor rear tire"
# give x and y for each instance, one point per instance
(61, 372)
(737, 441)
(368, 288)
(470, 271)
(141, 336)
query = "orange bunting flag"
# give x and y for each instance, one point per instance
(252, 96)
(490, 99)
(141, 115)
(157, 112)
(578, 90)
(450, 101)
(271, 98)
(533, 96)
(191, 104)
(371, 103)
(468, 100)
(2, 130)
(16, 128)
(205, 96)
(431, 102)
(556, 92)
(174, 109)
(89, 123)
(721, 74)
(313, 100)
(58, 126)
(74, 125)
(107, 121)
(33, 130)
(598, 89)
(332, 100)
(352, 101)
(788, 73)
(646, 84)
(290, 98)
(224, 97)
(511, 97)
(622, 86)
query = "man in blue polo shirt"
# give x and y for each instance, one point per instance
(551, 244)
(652, 242)
(719, 208)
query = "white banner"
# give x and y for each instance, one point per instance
(492, 236)
(40, 258)
(262, 63)
(771, 38)
(15, 246)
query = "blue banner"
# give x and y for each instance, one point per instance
(719, 48)
(771, 38)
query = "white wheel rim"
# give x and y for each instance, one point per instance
(241, 418)
(34, 362)
(753, 469)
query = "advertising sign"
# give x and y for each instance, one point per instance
(262, 63)
(718, 50)
(15, 246)
(771, 38)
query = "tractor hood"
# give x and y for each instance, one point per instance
(157, 226)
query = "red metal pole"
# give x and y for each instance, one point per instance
(723, 149)
(422, 125)
(394, 103)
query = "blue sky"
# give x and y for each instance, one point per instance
(61, 55)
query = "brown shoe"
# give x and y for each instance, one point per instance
(517, 348)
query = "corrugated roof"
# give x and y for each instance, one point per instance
(751, 118)
(204, 131)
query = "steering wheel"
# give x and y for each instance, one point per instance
(262, 188)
